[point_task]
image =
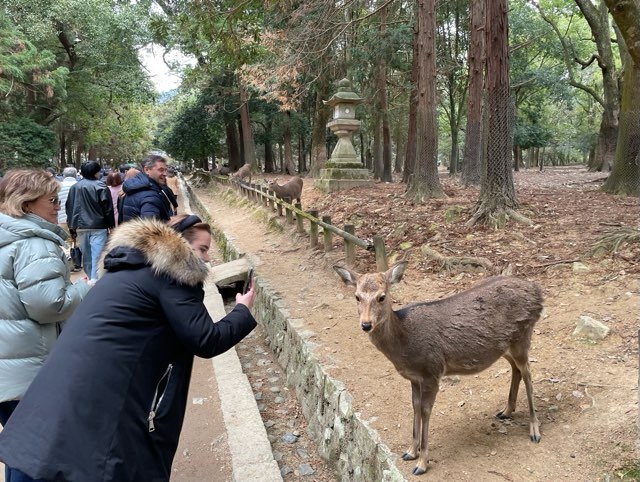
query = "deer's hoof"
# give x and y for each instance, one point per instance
(502, 415)
(535, 438)
(408, 456)
(418, 470)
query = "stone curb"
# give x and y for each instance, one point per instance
(352, 448)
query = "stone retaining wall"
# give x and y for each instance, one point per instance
(352, 448)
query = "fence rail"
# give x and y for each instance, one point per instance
(267, 198)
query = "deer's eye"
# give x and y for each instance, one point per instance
(381, 298)
(358, 298)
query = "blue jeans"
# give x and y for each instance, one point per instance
(91, 242)
(12, 475)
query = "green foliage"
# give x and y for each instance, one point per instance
(25, 143)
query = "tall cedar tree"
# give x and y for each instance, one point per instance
(497, 192)
(425, 183)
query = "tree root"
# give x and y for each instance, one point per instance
(611, 241)
(497, 218)
(456, 264)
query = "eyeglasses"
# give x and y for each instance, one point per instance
(54, 200)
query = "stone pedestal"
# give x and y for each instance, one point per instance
(343, 170)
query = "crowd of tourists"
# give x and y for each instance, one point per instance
(94, 374)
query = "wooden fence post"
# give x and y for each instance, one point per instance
(328, 242)
(288, 211)
(381, 254)
(300, 226)
(349, 247)
(313, 230)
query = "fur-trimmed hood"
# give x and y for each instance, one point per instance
(147, 241)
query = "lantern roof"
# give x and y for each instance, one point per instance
(345, 95)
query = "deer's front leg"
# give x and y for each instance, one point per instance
(412, 453)
(428, 392)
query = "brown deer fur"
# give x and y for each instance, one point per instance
(243, 172)
(460, 335)
(291, 189)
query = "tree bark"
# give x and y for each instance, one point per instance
(425, 183)
(385, 174)
(288, 167)
(598, 20)
(410, 153)
(247, 132)
(497, 193)
(318, 134)
(472, 162)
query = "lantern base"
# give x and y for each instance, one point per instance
(336, 179)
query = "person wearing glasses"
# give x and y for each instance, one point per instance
(90, 216)
(35, 286)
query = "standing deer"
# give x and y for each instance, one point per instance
(459, 335)
(291, 189)
(243, 172)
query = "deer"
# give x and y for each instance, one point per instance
(291, 189)
(459, 335)
(243, 172)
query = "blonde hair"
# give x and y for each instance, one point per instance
(20, 186)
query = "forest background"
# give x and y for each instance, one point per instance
(445, 83)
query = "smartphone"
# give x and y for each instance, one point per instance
(248, 281)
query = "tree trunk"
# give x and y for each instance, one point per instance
(400, 149)
(410, 153)
(319, 154)
(302, 156)
(425, 183)
(385, 173)
(497, 192)
(598, 20)
(247, 133)
(288, 167)
(625, 177)
(63, 147)
(377, 146)
(241, 144)
(268, 147)
(472, 163)
(231, 139)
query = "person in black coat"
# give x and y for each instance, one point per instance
(144, 196)
(109, 402)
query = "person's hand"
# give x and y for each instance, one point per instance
(247, 298)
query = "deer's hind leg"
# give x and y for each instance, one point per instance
(516, 376)
(519, 360)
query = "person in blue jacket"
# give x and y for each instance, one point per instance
(109, 403)
(143, 193)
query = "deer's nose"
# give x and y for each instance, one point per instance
(366, 326)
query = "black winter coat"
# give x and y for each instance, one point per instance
(109, 403)
(89, 205)
(144, 199)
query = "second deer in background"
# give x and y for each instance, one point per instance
(291, 189)
(243, 172)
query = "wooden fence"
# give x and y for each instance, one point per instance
(267, 198)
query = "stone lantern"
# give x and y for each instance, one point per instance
(343, 170)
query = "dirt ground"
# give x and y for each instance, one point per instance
(586, 393)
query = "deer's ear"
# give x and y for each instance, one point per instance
(396, 272)
(349, 277)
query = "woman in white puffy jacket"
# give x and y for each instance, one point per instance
(35, 286)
